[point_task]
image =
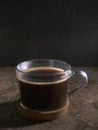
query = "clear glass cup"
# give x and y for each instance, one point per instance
(44, 85)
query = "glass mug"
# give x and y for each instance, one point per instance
(43, 86)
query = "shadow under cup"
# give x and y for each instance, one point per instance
(43, 88)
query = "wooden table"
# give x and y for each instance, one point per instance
(82, 114)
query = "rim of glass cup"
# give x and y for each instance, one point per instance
(64, 75)
(67, 66)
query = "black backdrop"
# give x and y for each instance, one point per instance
(65, 30)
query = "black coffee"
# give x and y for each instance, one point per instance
(43, 88)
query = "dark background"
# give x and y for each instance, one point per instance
(65, 30)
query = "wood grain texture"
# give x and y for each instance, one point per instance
(82, 115)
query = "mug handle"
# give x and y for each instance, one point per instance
(85, 81)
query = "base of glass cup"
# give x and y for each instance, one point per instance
(43, 116)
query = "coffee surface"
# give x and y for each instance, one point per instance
(43, 75)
